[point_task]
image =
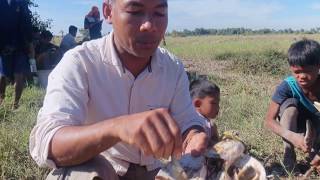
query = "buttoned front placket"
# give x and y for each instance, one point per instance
(137, 85)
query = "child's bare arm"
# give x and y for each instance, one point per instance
(271, 123)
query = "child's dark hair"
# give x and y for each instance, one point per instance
(201, 88)
(304, 52)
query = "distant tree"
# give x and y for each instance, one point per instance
(36, 20)
(240, 31)
(187, 32)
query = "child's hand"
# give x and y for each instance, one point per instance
(197, 144)
(298, 141)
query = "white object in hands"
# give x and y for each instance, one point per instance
(224, 160)
(33, 69)
(316, 105)
(33, 65)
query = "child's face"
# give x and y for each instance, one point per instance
(306, 76)
(209, 106)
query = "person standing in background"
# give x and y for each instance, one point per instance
(15, 42)
(93, 23)
(69, 41)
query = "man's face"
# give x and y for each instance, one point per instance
(73, 33)
(139, 25)
(306, 76)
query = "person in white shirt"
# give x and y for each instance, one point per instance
(68, 41)
(115, 105)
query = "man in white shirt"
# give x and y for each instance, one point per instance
(68, 41)
(117, 104)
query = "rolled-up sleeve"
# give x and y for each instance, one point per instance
(181, 106)
(65, 104)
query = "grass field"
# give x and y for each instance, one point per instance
(247, 69)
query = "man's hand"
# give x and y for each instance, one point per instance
(154, 132)
(298, 141)
(196, 143)
(316, 163)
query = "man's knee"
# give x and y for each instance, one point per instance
(289, 113)
(97, 168)
(290, 102)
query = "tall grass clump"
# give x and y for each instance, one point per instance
(271, 62)
(15, 127)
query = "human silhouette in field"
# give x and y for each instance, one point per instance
(15, 44)
(93, 23)
(69, 40)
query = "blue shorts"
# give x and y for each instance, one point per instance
(17, 63)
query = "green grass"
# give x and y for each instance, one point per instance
(247, 69)
(15, 127)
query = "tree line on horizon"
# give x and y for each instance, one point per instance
(240, 31)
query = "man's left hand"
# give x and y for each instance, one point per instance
(196, 143)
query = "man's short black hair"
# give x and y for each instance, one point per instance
(73, 29)
(304, 52)
(46, 35)
(201, 88)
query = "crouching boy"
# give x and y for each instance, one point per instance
(293, 101)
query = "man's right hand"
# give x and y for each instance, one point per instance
(154, 132)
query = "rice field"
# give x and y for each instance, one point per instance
(247, 69)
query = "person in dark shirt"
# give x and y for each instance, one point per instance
(293, 103)
(46, 53)
(15, 40)
(47, 56)
(93, 23)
